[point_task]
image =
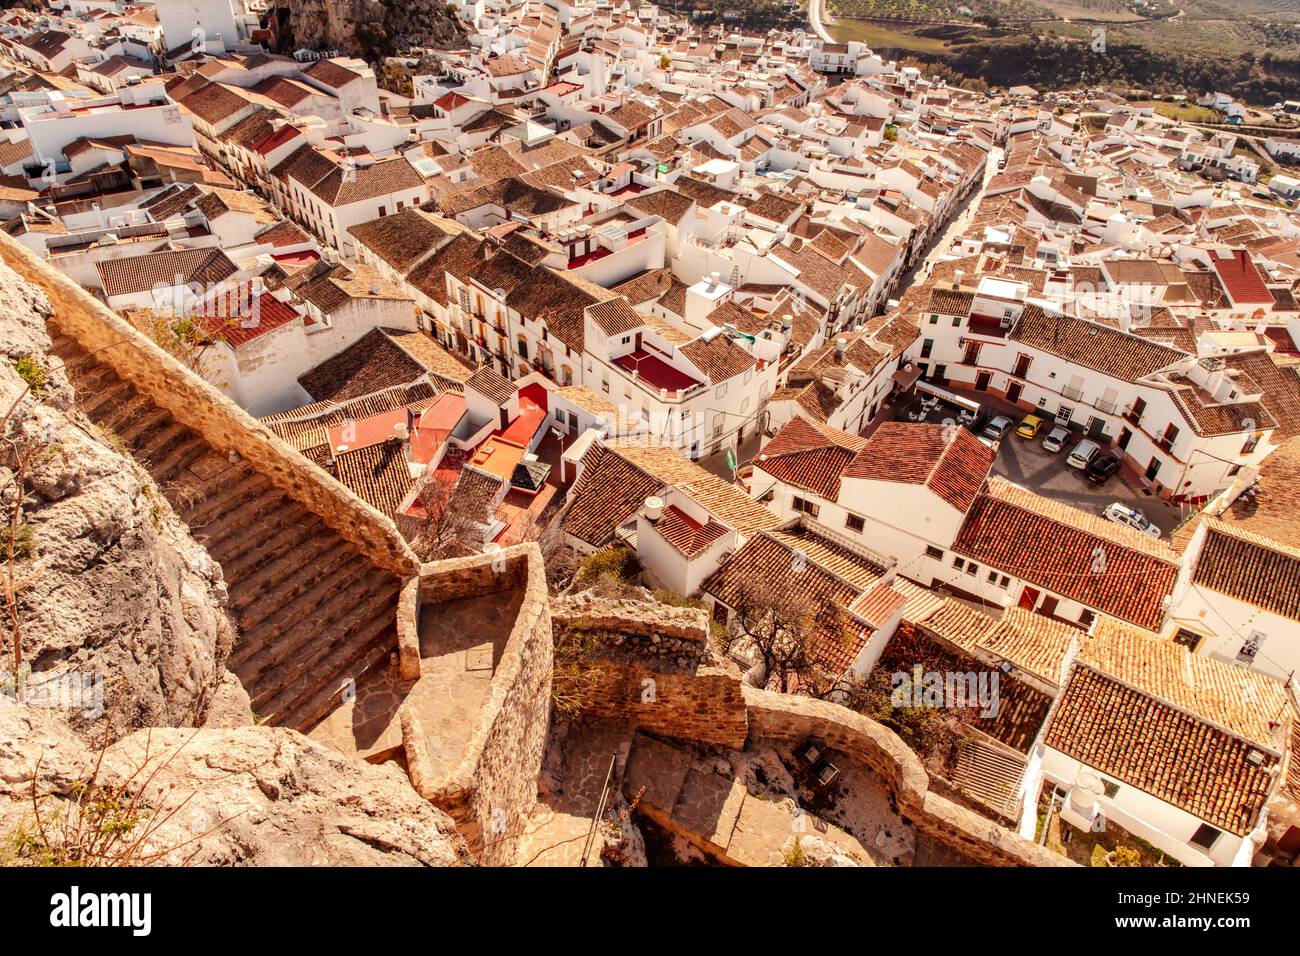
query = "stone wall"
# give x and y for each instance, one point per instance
(494, 788)
(202, 407)
(790, 718)
(654, 668)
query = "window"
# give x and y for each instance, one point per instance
(807, 507)
(1189, 639)
(1205, 836)
(993, 577)
(932, 552)
(720, 391)
(956, 321)
(604, 383)
(1110, 788)
(934, 320)
(972, 569)
(927, 347)
(1086, 618)
(959, 563)
(1250, 445)
(1234, 471)
(1004, 582)
(854, 523)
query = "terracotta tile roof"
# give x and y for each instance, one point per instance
(448, 371)
(948, 460)
(718, 358)
(668, 204)
(687, 535)
(1280, 388)
(1251, 568)
(492, 385)
(15, 151)
(1271, 511)
(376, 473)
(609, 490)
(767, 562)
(817, 401)
(560, 302)
(1098, 347)
(331, 74)
(331, 287)
(1241, 279)
(1056, 547)
(307, 427)
(343, 186)
(720, 498)
(403, 239)
(1179, 726)
(810, 456)
(214, 103)
(207, 267)
(371, 363)
(457, 257)
(615, 316)
(1026, 639)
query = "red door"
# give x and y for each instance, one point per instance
(1028, 598)
(1013, 392)
(982, 381)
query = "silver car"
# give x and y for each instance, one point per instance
(1056, 439)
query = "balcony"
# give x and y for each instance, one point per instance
(1074, 394)
(1132, 417)
(1109, 407)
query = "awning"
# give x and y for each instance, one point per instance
(906, 376)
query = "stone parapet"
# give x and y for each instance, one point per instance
(199, 405)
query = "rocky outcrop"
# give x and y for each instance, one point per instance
(373, 27)
(250, 796)
(112, 586)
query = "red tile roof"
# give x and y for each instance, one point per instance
(810, 456)
(687, 535)
(1241, 279)
(1069, 552)
(947, 459)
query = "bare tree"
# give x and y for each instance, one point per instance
(447, 529)
(788, 634)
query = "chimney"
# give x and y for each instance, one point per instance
(891, 572)
(654, 508)
(787, 322)
(841, 344)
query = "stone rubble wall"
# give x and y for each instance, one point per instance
(656, 670)
(494, 788)
(202, 407)
(794, 719)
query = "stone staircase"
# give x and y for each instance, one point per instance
(313, 612)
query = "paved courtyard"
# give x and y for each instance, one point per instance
(460, 645)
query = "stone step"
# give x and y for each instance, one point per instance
(216, 535)
(290, 537)
(217, 495)
(124, 413)
(64, 347)
(88, 378)
(162, 442)
(284, 687)
(324, 701)
(286, 579)
(144, 426)
(169, 466)
(96, 404)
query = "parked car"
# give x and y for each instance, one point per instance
(994, 430)
(1101, 468)
(1130, 518)
(1056, 439)
(1083, 453)
(1030, 427)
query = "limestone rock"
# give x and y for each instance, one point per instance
(249, 796)
(115, 585)
(356, 26)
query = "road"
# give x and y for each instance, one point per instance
(815, 20)
(958, 224)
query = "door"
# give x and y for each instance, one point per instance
(982, 381)
(1049, 606)
(1096, 427)
(1013, 392)
(1028, 598)
(1124, 437)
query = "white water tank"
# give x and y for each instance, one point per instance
(654, 508)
